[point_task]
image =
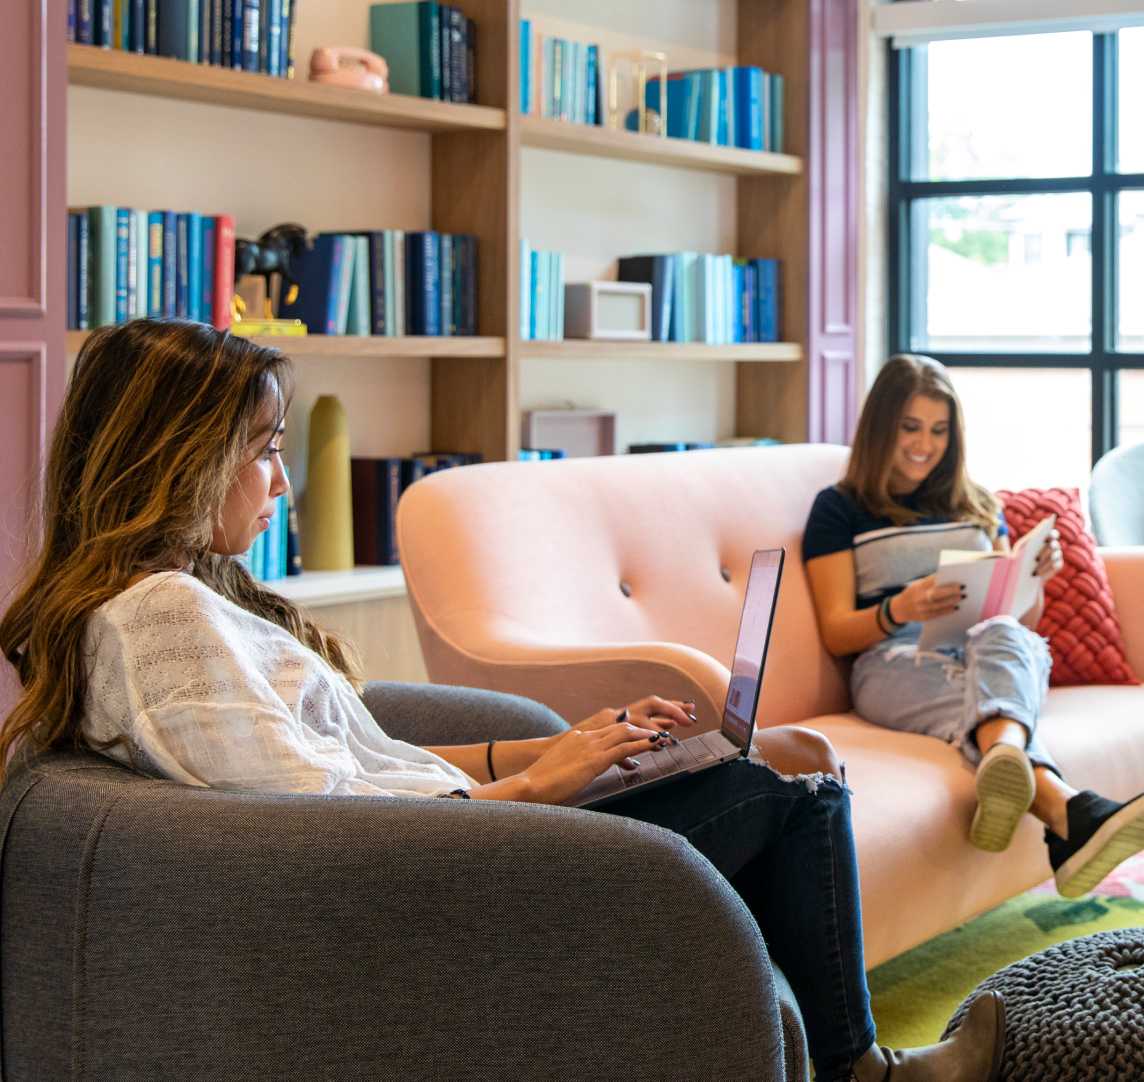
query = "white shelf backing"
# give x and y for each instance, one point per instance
(314, 589)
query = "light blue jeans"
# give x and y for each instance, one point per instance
(1003, 671)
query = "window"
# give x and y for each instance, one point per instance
(1017, 240)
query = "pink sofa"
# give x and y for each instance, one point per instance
(591, 581)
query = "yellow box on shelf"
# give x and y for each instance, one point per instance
(249, 328)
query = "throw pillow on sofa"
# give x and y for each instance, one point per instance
(1080, 619)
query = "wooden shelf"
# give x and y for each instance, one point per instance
(343, 345)
(685, 153)
(115, 69)
(581, 350)
(317, 588)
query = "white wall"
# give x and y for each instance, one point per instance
(595, 210)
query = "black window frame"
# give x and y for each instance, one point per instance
(908, 116)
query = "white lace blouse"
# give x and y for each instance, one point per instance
(206, 693)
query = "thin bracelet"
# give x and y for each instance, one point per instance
(885, 609)
(878, 620)
(489, 759)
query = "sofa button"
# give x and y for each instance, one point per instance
(625, 588)
(726, 573)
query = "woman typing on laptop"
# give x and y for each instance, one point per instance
(138, 633)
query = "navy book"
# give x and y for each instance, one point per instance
(182, 265)
(318, 274)
(169, 263)
(123, 217)
(73, 269)
(83, 271)
(659, 272)
(422, 283)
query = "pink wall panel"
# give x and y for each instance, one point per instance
(833, 176)
(33, 299)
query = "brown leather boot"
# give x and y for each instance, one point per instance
(972, 1054)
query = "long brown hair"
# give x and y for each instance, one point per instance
(155, 425)
(948, 490)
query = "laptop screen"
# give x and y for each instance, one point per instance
(751, 648)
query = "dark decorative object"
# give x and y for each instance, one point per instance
(276, 251)
(1075, 1012)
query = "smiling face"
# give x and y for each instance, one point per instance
(923, 438)
(250, 500)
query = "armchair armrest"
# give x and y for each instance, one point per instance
(240, 934)
(437, 714)
(576, 680)
(1125, 567)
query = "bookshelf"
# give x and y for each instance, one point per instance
(471, 161)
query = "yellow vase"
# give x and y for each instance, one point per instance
(329, 536)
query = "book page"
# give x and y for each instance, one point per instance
(996, 584)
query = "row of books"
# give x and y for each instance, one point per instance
(541, 294)
(125, 263)
(716, 299)
(387, 282)
(736, 107)
(430, 49)
(276, 552)
(377, 485)
(559, 78)
(540, 454)
(249, 35)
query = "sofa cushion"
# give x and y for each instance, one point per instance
(914, 798)
(1080, 619)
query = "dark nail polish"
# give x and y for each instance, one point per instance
(654, 737)
(622, 715)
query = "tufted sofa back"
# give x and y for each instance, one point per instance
(629, 549)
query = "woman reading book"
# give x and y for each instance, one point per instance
(872, 547)
(141, 635)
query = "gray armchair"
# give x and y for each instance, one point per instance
(150, 929)
(1116, 497)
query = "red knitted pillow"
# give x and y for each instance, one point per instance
(1080, 615)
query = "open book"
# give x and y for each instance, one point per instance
(996, 584)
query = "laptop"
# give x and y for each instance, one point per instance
(733, 740)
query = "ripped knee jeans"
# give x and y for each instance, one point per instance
(1002, 671)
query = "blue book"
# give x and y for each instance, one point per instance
(182, 269)
(357, 319)
(748, 94)
(122, 252)
(272, 535)
(155, 264)
(423, 282)
(258, 557)
(448, 324)
(101, 23)
(251, 12)
(236, 16)
(73, 269)
(170, 263)
(195, 267)
(85, 22)
(286, 19)
(534, 293)
(723, 98)
(83, 271)
(136, 26)
(283, 536)
(206, 304)
(273, 15)
(768, 300)
(408, 35)
(71, 26)
(592, 79)
(321, 270)
(526, 66)
(179, 29)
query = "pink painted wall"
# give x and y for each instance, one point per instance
(33, 308)
(833, 168)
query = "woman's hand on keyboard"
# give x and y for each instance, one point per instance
(651, 712)
(581, 755)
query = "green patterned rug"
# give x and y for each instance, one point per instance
(914, 995)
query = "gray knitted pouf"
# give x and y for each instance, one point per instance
(1075, 1011)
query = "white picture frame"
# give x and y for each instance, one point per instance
(608, 311)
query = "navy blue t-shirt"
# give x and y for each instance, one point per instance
(886, 557)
